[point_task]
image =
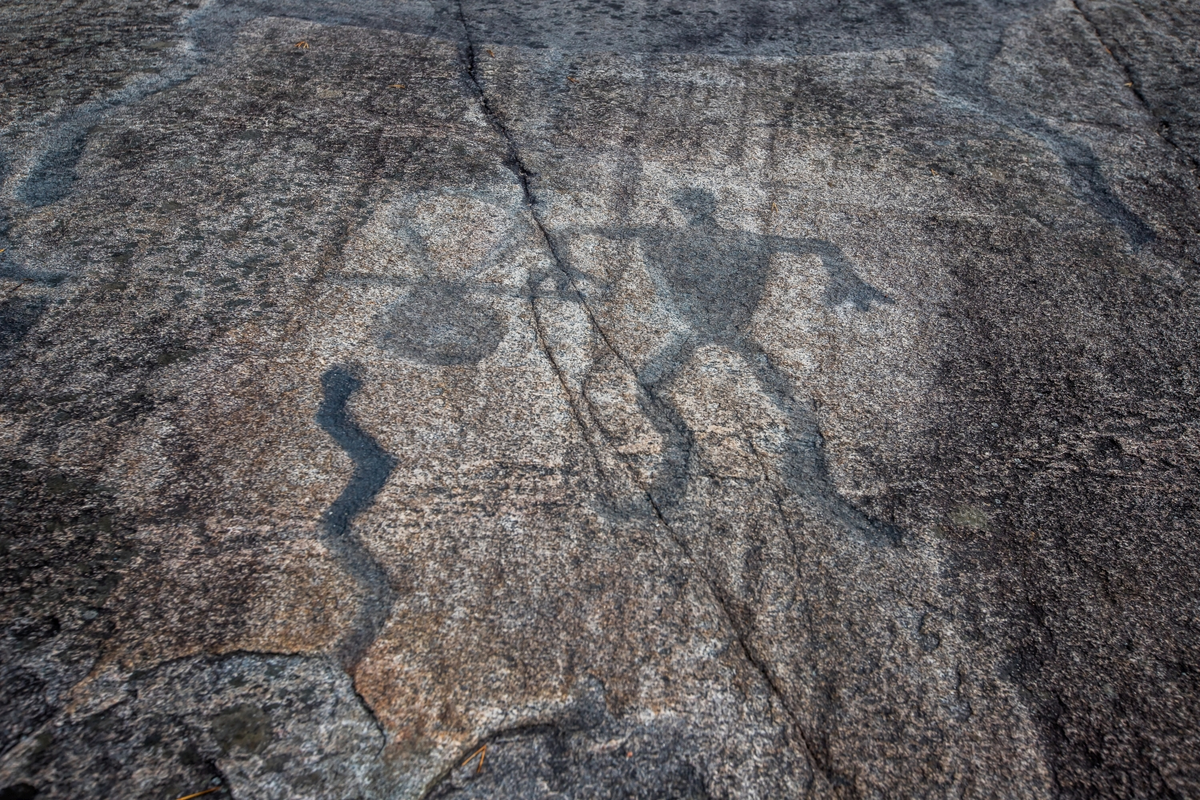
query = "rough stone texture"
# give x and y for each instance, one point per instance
(691, 399)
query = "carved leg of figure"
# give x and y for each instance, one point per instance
(1078, 158)
(804, 470)
(655, 378)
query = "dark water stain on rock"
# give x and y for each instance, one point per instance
(17, 318)
(437, 324)
(244, 727)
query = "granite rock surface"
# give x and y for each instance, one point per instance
(680, 399)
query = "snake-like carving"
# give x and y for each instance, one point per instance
(372, 466)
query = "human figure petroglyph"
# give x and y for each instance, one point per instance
(713, 278)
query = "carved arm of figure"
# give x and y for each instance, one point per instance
(843, 284)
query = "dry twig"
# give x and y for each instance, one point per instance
(199, 794)
(481, 752)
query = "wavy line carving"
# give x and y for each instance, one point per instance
(372, 466)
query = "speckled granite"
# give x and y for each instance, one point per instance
(694, 399)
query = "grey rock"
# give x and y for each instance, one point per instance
(691, 399)
(274, 726)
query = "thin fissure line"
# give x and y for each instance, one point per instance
(1163, 128)
(748, 651)
(517, 165)
(584, 428)
(820, 762)
(512, 157)
(522, 173)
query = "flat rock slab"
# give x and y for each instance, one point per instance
(614, 399)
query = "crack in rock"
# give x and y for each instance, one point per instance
(1163, 128)
(523, 174)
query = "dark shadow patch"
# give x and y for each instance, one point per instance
(19, 791)
(23, 702)
(15, 272)
(63, 550)
(52, 176)
(437, 324)
(17, 318)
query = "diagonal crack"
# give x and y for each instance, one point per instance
(523, 174)
(1163, 128)
(749, 652)
(512, 160)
